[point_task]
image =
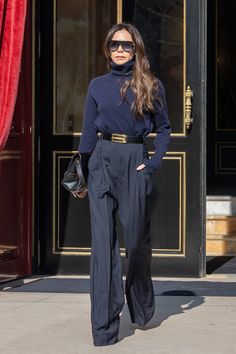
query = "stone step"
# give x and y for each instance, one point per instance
(221, 246)
(221, 205)
(220, 225)
(221, 235)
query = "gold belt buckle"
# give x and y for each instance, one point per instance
(119, 138)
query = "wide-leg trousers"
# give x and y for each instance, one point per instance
(116, 186)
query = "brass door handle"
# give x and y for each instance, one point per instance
(188, 119)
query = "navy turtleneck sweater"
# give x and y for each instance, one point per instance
(106, 112)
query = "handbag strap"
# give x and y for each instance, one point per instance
(80, 172)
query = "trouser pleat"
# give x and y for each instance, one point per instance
(114, 185)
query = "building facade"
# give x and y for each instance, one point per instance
(190, 47)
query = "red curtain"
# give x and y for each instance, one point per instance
(12, 22)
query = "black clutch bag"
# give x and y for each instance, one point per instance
(74, 179)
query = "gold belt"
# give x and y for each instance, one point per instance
(123, 138)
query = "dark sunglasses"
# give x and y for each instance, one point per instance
(127, 46)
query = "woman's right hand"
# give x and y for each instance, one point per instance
(81, 194)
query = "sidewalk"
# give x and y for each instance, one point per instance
(51, 315)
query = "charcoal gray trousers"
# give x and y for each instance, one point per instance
(115, 185)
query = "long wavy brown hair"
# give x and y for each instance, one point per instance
(143, 83)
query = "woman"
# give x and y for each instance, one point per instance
(123, 105)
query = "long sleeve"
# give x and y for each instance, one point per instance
(89, 135)
(163, 130)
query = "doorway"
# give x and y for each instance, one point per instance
(71, 54)
(221, 130)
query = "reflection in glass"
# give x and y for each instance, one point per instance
(80, 30)
(161, 26)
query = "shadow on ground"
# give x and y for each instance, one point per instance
(163, 310)
(161, 287)
(172, 296)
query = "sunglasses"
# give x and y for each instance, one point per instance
(127, 46)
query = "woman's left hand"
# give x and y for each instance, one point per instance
(80, 194)
(141, 167)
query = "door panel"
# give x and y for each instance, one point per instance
(174, 36)
(221, 125)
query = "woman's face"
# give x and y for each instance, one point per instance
(120, 56)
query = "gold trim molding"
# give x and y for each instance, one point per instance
(119, 10)
(219, 146)
(10, 155)
(85, 251)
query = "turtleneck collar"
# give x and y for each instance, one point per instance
(122, 69)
